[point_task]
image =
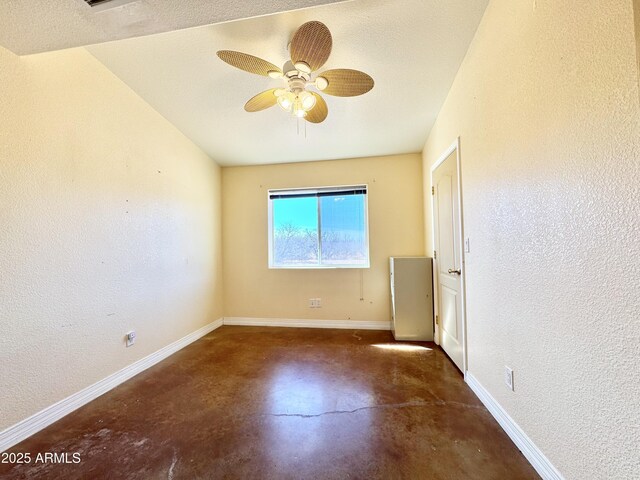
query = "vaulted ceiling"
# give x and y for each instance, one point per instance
(28, 26)
(412, 49)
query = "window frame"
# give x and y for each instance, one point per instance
(313, 190)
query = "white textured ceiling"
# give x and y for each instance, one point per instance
(412, 49)
(28, 26)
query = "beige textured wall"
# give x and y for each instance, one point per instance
(395, 228)
(636, 11)
(546, 106)
(109, 221)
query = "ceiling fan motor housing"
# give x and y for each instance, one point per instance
(297, 84)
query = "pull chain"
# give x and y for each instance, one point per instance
(298, 127)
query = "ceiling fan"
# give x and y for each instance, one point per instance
(310, 48)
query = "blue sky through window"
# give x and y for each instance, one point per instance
(301, 212)
(343, 214)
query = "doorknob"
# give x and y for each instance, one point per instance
(457, 272)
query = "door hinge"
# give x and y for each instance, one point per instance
(437, 320)
(435, 255)
(433, 190)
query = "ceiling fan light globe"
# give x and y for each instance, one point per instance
(285, 102)
(307, 100)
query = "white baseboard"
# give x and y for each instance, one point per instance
(306, 323)
(27, 427)
(529, 449)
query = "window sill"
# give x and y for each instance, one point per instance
(318, 267)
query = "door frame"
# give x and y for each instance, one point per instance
(454, 147)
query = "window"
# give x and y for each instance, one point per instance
(324, 227)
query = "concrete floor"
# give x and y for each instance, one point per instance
(284, 403)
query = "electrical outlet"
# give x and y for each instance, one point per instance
(130, 338)
(508, 377)
(315, 303)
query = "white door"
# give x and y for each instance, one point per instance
(448, 274)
